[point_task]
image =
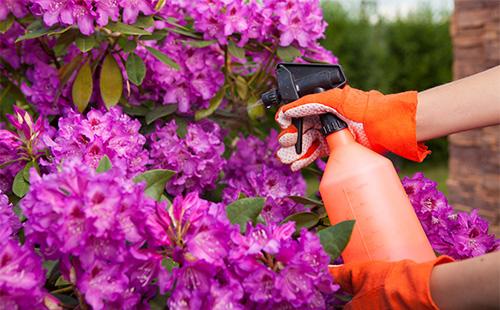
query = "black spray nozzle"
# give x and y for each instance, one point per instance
(297, 80)
(331, 123)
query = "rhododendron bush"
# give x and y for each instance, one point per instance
(137, 168)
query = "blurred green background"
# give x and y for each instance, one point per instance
(406, 52)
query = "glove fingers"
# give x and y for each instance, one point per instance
(313, 152)
(288, 155)
(288, 136)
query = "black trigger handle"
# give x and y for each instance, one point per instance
(298, 123)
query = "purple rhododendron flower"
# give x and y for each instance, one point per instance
(16, 7)
(192, 86)
(9, 222)
(217, 265)
(87, 13)
(42, 91)
(21, 275)
(8, 48)
(131, 9)
(295, 272)
(460, 235)
(68, 12)
(197, 158)
(254, 170)
(89, 138)
(93, 223)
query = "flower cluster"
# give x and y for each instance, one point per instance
(292, 22)
(91, 13)
(254, 170)
(88, 138)
(197, 157)
(193, 85)
(21, 274)
(9, 223)
(92, 223)
(219, 266)
(43, 87)
(460, 235)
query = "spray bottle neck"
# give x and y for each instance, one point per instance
(339, 138)
(335, 130)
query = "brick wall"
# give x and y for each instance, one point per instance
(474, 177)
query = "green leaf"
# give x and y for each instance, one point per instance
(104, 164)
(62, 282)
(244, 210)
(126, 29)
(163, 58)
(64, 41)
(35, 30)
(288, 53)
(315, 61)
(111, 81)
(157, 35)
(86, 43)
(26, 171)
(255, 110)
(235, 50)
(20, 187)
(169, 264)
(136, 110)
(159, 302)
(127, 45)
(173, 21)
(181, 127)
(67, 301)
(160, 4)
(136, 70)
(159, 112)
(144, 22)
(303, 219)
(214, 104)
(66, 71)
(57, 31)
(335, 238)
(200, 43)
(50, 267)
(241, 87)
(6, 23)
(155, 181)
(82, 87)
(305, 201)
(185, 32)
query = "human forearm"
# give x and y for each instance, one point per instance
(464, 104)
(469, 284)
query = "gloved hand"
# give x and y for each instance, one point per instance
(380, 122)
(388, 285)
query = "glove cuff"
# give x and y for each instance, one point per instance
(417, 293)
(390, 123)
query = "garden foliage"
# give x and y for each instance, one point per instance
(137, 169)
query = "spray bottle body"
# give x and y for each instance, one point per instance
(359, 184)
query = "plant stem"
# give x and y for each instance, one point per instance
(63, 290)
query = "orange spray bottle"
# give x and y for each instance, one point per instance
(358, 184)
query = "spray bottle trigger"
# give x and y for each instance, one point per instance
(298, 123)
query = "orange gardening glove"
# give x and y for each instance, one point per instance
(388, 285)
(380, 122)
